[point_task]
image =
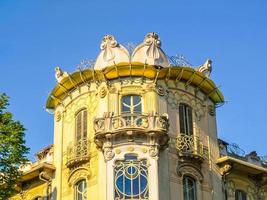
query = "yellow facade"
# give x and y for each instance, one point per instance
(132, 108)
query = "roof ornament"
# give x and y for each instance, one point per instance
(60, 75)
(111, 52)
(206, 68)
(149, 52)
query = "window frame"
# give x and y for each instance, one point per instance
(84, 124)
(242, 192)
(124, 164)
(131, 110)
(188, 121)
(76, 186)
(185, 178)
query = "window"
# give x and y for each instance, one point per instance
(130, 178)
(186, 121)
(81, 125)
(189, 188)
(81, 190)
(131, 104)
(240, 195)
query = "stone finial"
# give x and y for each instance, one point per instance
(149, 52)
(60, 75)
(111, 53)
(206, 68)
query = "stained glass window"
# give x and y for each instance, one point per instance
(131, 178)
(189, 188)
(186, 121)
(81, 190)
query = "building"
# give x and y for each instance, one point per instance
(136, 126)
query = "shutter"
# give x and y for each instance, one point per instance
(190, 121)
(78, 126)
(84, 124)
(182, 118)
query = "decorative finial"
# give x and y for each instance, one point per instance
(206, 68)
(60, 74)
(111, 52)
(149, 52)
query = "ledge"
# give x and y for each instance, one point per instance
(184, 74)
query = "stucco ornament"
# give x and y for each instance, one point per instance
(149, 52)
(78, 174)
(206, 68)
(108, 154)
(230, 188)
(252, 193)
(111, 53)
(174, 98)
(189, 169)
(102, 92)
(60, 75)
(153, 152)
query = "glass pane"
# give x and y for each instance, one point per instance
(126, 100)
(131, 178)
(81, 190)
(189, 186)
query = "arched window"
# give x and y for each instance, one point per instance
(81, 190)
(186, 119)
(81, 125)
(130, 178)
(131, 104)
(240, 195)
(190, 190)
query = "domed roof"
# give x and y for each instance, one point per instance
(111, 53)
(149, 52)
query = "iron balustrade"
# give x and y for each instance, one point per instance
(77, 152)
(189, 145)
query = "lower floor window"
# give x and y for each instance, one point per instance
(81, 190)
(240, 195)
(189, 185)
(131, 178)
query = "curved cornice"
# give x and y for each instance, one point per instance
(134, 69)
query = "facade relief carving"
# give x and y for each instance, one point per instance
(189, 169)
(230, 188)
(175, 97)
(78, 174)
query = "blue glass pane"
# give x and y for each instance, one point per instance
(131, 179)
(130, 157)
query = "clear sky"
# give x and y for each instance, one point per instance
(36, 36)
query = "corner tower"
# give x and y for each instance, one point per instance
(136, 127)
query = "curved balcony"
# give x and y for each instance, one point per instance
(190, 146)
(78, 152)
(130, 124)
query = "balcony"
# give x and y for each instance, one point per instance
(130, 124)
(78, 152)
(190, 147)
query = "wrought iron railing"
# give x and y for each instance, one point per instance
(78, 152)
(132, 122)
(189, 145)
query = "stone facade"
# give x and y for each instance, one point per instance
(122, 121)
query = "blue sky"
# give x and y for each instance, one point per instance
(36, 36)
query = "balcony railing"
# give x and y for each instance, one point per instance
(190, 145)
(136, 122)
(78, 152)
